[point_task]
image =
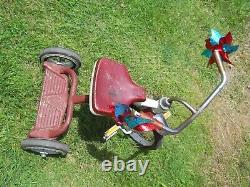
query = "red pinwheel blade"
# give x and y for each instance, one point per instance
(226, 39)
(211, 60)
(208, 44)
(225, 57)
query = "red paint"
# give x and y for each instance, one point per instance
(55, 101)
(146, 127)
(112, 84)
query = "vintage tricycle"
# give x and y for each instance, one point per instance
(113, 94)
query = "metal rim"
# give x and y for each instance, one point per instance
(60, 60)
(45, 147)
(61, 56)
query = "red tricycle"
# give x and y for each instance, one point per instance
(113, 94)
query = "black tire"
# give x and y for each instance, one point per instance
(45, 147)
(147, 144)
(141, 141)
(61, 56)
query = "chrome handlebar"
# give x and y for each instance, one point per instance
(165, 103)
(198, 111)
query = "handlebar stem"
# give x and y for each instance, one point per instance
(220, 86)
(208, 100)
(165, 103)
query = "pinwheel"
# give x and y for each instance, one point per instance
(220, 43)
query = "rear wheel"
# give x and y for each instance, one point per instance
(61, 56)
(45, 147)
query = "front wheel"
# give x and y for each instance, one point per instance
(147, 140)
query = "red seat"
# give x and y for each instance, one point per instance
(111, 84)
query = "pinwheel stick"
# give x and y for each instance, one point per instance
(220, 86)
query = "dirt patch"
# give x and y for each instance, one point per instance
(230, 128)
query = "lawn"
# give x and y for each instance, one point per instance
(159, 41)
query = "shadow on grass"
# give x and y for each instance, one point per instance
(91, 129)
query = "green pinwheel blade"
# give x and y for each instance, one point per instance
(230, 48)
(207, 53)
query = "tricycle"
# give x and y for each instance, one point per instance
(112, 94)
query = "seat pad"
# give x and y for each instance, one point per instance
(111, 84)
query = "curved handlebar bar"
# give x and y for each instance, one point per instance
(197, 112)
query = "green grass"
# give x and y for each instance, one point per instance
(159, 41)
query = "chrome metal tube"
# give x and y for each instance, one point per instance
(199, 110)
(219, 87)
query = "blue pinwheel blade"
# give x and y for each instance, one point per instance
(230, 48)
(207, 53)
(133, 121)
(215, 38)
(120, 109)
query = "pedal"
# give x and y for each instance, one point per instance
(167, 114)
(111, 132)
